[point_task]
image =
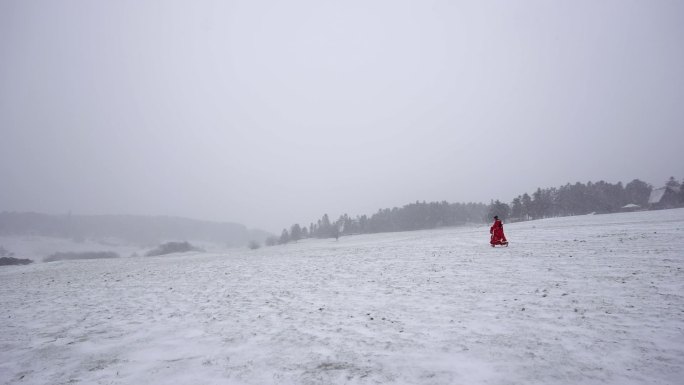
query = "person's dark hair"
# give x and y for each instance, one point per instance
(496, 217)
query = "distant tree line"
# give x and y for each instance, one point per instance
(571, 199)
(578, 199)
(414, 216)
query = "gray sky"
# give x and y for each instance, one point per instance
(274, 112)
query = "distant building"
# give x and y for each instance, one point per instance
(630, 207)
(664, 198)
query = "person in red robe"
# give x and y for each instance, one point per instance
(498, 237)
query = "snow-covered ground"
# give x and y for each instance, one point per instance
(580, 300)
(37, 248)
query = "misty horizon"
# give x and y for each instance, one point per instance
(69, 213)
(268, 114)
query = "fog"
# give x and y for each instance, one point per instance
(269, 113)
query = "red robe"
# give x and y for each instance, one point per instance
(498, 237)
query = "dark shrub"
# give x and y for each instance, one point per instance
(7, 261)
(81, 255)
(253, 245)
(172, 247)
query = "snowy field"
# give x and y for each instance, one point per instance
(581, 300)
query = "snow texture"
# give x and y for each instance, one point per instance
(592, 299)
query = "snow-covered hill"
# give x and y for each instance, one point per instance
(580, 300)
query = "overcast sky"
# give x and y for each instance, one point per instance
(269, 113)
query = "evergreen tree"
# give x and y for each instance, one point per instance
(324, 227)
(284, 237)
(517, 208)
(672, 183)
(579, 202)
(676, 198)
(363, 224)
(637, 192)
(295, 232)
(499, 209)
(526, 206)
(538, 204)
